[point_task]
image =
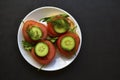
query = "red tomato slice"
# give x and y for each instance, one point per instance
(50, 30)
(68, 53)
(47, 59)
(31, 23)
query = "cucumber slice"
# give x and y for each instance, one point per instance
(41, 49)
(59, 29)
(35, 33)
(68, 43)
(61, 26)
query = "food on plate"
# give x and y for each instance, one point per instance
(34, 31)
(43, 41)
(68, 44)
(27, 46)
(41, 49)
(58, 24)
(43, 52)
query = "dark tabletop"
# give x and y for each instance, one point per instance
(99, 57)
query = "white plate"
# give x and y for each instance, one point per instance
(59, 61)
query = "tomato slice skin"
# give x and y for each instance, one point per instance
(50, 30)
(31, 23)
(68, 53)
(48, 58)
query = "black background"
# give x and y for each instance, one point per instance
(99, 58)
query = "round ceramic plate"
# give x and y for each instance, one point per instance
(59, 61)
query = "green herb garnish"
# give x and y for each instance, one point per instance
(50, 19)
(73, 29)
(27, 46)
(52, 39)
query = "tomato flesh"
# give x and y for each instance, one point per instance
(28, 24)
(50, 30)
(48, 58)
(68, 53)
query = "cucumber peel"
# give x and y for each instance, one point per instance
(61, 25)
(35, 33)
(68, 43)
(41, 49)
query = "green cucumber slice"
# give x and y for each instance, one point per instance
(41, 49)
(68, 43)
(35, 33)
(59, 29)
(61, 26)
